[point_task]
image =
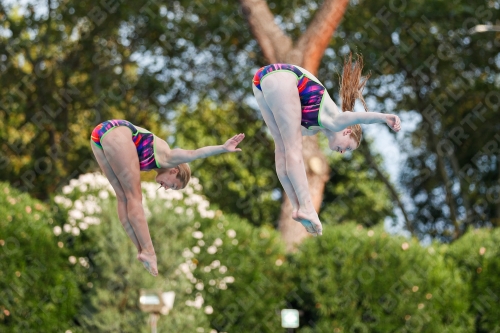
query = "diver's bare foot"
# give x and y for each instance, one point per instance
(149, 262)
(310, 221)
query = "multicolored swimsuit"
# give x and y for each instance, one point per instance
(310, 91)
(143, 140)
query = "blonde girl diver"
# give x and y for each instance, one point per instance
(123, 150)
(294, 103)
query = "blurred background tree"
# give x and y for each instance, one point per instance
(428, 67)
(155, 65)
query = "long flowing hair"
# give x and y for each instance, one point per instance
(351, 88)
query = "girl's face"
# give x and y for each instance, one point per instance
(168, 179)
(342, 141)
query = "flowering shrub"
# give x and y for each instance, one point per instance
(212, 261)
(228, 276)
(104, 255)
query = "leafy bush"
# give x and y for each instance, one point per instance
(229, 275)
(363, 280)
(218, 265)
(477, 257)
(38, 292)
(243, 274)
(109, 271)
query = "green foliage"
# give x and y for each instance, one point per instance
(38, 292)
(230, 275)
(363, 280)
(243, 273)
(477, 255)
(354, 193)
(239, 183)
(110, 274)
(427, 65)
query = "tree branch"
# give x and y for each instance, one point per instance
(465, 200)
(314, 41)
(365, 150)
(273, 42)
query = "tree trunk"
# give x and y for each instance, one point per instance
(307, 53)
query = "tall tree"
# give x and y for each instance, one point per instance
(166, 66)
(307, 53)
(427, 65)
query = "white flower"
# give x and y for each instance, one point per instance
(67, 190)
(78, 205)
(209, 310)
(196, 249)
(199, 286)
(179, 210)
(231, 233)
(83, 225)
(91, 220)
(83, 188)
(57, 230)
(67, 228)
(198, 302)
(84, 262)
(59, 199)
(184, 267)
(72, 260)
(229, 279)
(218, 242)
(215, 264)
(198, 234)
(75, 214)
(195, 198)
(87, 178)
(103, 194)
(223, 269)
(90, 206)
(187, 253)
(67, 203)
(75, 231)
(211, 249)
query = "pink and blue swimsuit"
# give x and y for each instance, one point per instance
(310, 91)
(144, 141)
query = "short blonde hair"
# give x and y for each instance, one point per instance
(351, 88)
(184, 174)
